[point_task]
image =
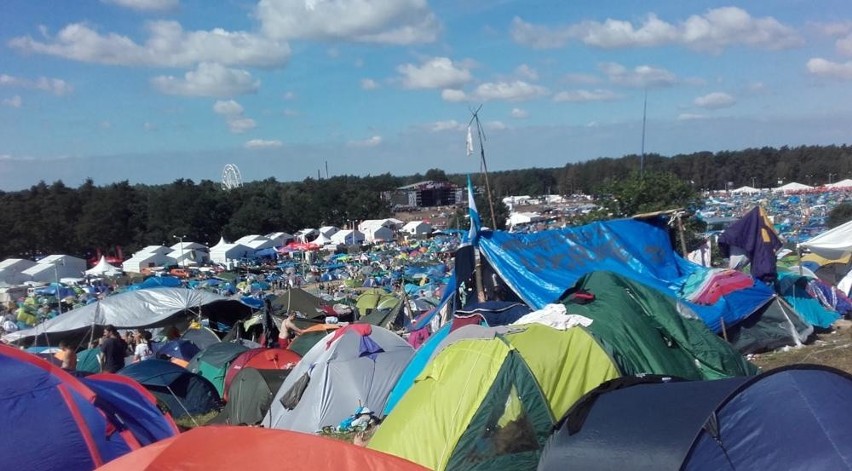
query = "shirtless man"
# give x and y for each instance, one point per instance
(288, 330)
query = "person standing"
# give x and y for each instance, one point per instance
(113, 350)
(289, 330)
(69, 356)
(143, 350)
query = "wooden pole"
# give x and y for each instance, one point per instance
(681, 235)
(483, 164)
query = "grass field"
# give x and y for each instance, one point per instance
(831, 349)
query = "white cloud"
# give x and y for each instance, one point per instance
(712, 31)
(756, 87)
(56, 86)
(453, 95)
(539, 37)
(233, 113)
(241, 125)
(844, 45)
(210, 80)
(438, 72)
(289, 96)
(369, 84)
(262, 144)
(14, 102)
(715, 100)
(227, 108)
(826, 68)
(837, 28)
(168, 45)
(145, 5)
(640, 77)
(526, 72)
(371, 21)
(517, 90)
(449, 125)
(690, 117)
(369, 142)
(518, 113)
(585, 95)
(496, 125)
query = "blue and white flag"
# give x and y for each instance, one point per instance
(475, 221)
(469, 142)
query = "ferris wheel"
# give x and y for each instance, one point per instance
(231, 177)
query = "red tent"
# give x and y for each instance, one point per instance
(261, 359)
(226, 447)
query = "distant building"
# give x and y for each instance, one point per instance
(425, 194)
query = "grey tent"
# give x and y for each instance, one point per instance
(144, 308)
(796, 417)
(250, 395)
(202, 337)
(355, 366)
(297, 299)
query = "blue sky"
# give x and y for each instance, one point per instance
(150, 91)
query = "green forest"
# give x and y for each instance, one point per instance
(54, 218)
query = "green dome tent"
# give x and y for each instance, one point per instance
(250, 395)
(651, 333)
(503, 390)
(212, 363)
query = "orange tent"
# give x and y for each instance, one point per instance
(225, 447)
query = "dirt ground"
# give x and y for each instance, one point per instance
(830, 349)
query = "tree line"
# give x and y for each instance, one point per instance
(54, 218)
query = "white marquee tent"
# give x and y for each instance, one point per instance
(792, 186)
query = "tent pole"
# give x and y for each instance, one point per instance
(182, 406)
(724, 330)
(681, 235)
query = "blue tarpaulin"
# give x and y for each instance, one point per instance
(540, 266)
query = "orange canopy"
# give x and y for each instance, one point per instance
(257, 449)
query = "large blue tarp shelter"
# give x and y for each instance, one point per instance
(540, 266)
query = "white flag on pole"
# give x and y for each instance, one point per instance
(469, 142)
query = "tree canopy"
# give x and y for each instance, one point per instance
(55, 218)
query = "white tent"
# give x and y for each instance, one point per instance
(12, 270)
(348, 237)
(52, 267)
(833, 243)
(417, 228)
(746, 189)
(792, 186)
(222, 254)
(841, 184)
(321, 240)
(102, 268)
(378, 234)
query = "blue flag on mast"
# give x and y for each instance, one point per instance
(475, 221)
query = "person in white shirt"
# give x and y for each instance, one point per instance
(143, 349)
